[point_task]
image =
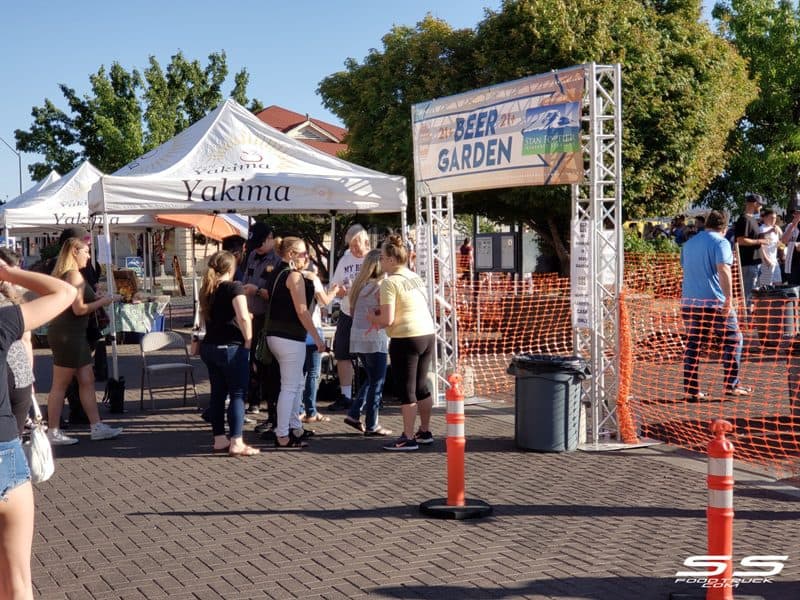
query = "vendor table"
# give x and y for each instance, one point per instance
(141, 317)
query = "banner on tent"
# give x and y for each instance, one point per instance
(520, 133)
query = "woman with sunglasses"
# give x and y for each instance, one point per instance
(290, 320)
(72, 355)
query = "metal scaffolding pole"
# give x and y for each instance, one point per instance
(597, 210)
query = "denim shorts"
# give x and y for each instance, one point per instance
(14, 469)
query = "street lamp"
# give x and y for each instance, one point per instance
(19, 160)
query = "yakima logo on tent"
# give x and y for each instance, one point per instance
(247, 164)
(250, 192)
(82, 219)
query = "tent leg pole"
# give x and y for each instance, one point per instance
(111, 290)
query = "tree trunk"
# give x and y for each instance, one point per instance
(560, 248)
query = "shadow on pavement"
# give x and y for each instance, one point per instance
(580, 588)
(500, 510)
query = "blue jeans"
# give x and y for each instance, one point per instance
(229, 374)
(749, 281)
(14, 469)
(702, 322)
(312, 368)
(371, 393)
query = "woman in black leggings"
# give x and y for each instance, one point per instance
(405, 314)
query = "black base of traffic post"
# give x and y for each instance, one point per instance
(439, 509)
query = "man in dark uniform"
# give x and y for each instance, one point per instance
(258, 277)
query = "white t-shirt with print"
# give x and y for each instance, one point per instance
(345, 274)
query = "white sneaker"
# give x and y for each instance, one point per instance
(101, 431)
(57, 438)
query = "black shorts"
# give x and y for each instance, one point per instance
(341, 339)
(411, 360)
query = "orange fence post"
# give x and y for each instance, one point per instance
(455, 506)
(455, 441)
(720, 506)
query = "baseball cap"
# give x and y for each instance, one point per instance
(752, 197)
(73, 232)
(352, 232)
(258, 233)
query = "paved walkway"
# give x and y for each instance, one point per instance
(154, 514)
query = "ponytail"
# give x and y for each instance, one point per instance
(219, 264)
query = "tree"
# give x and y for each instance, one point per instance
(126, 113)
(767, 140)
(684, 89)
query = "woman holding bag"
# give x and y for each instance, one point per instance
(289, 322)
(72, 355)
(16, 492)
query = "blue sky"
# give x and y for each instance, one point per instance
(287, 47)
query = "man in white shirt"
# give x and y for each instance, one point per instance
(357, 241)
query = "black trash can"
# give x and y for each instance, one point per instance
(775, 312)
(547, 401)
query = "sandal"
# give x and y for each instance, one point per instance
(354, 424)
(294, 443)
(380, 431)
(739, 390)
(317, 418)
(223, 450)
(245, 451)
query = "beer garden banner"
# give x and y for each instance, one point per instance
(519, 133)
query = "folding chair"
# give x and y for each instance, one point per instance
(158, 341)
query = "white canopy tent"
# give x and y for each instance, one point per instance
(62, 203)
(22, 198)
(230, 161)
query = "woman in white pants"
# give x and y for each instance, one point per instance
(289, 322)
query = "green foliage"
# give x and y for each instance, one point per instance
(635, 243)
(767, 141)
(126, 113)
(684, 89)
(48, 252)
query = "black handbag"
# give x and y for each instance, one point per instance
(115, 395)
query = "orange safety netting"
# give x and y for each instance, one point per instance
(499, 318)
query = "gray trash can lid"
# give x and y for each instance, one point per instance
(781, 290)
(538, 363)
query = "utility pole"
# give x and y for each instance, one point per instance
(19, 161)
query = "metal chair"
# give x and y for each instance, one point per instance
(157, 341)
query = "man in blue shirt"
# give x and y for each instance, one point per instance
(707, 305)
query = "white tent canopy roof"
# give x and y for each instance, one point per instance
(230, 161)
(61, 204)
(20, 200)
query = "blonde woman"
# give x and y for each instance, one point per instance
(16, 493)
(405, 314)
(226, 351)
(72, 356)
(289, 322)
(369, 344)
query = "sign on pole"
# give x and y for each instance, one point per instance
(520, 133)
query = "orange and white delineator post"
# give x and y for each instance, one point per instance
(455, 441)
(456, 505)
(720, 506)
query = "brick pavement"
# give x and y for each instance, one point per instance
(154, 515)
